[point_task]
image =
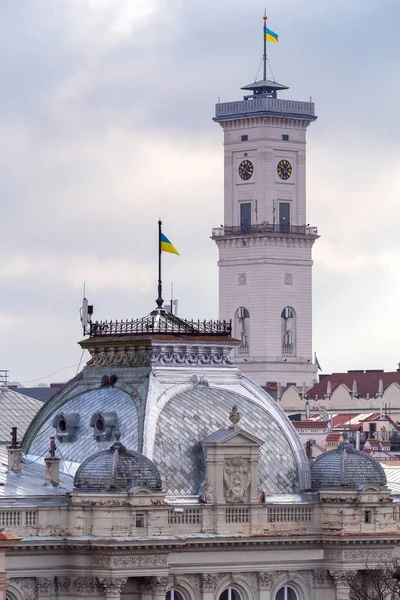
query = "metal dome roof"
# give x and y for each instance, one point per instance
(117, 469)
(346, 468)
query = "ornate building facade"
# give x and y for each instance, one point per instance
(175, 477)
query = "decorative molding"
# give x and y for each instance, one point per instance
(43, 584)
(242, 279)
(191, 582)
(172, 356)
(288, 279)
(152, 560)
(321, 577)
(62, 583)
(101, 561)
(86, 585)
(249, 579)
(160, 584)
(208, 582)
(113, 585)
(265, 580)
(366, 554)
(25, 585)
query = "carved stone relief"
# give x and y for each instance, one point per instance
(43, 585)
(265, 580)
(208, 582)
(151, 560)
(237, 477)
(62, 584)
(189, 581)
(321, 577)
(101, 561)
(25, 585)
(182, 356)
(113, 585)
(86, 585)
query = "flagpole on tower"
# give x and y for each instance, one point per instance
(159, 300)
(265, 44)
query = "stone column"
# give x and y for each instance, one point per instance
(160, 585)
(341, 579)
(265, 582)
(87, 587)
(321, 579)
(208, 585)
(44, 587)
(112, 586)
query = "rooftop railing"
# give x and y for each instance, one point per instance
(161, 324)
(265, 104)
(264, 228)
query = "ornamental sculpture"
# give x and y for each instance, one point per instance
(237, 479)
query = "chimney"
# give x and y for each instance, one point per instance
(14, 453)
(52, 465)
(358, 435)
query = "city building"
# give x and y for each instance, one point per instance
(170, 475)
(265, 244)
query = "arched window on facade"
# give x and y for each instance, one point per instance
(174, 595)
(288, 318)
(243, 329)
(286, 593)
(230, 594)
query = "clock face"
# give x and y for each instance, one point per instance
(246, 169)
(284, 169)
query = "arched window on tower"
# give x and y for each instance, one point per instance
(288, 318)
(243, 329)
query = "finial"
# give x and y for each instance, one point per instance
(14, 440)
(234, 417)
(53, 447)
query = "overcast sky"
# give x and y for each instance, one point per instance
(106, 125)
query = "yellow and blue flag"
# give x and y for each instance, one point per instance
(166, 245)
(271, 35)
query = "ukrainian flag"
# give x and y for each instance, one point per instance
(271, 36)
(166, 245)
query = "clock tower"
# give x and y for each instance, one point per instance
(265, 245)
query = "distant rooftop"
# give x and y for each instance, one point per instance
(367, 382)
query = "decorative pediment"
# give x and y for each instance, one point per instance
(232, 437)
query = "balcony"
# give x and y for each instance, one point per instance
(265, 105)
(271, 228)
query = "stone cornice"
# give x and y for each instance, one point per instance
(265, 239)
(265, 120)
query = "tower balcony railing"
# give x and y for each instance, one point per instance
(264, 104)
(283, 229)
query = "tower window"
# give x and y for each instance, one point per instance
(368, 516)
(288, 318)
(243, 329)
(285, 137)
(245, 138)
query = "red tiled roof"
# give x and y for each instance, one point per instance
(367, 382)
(333, 437)
(310, 424)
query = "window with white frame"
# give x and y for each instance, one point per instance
(230, 594)
(286, 593)
(243, 329)
(288, 318)
(174, 595)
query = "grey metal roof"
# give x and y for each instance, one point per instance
(265, 83)
(86, 404)
(346, 468)
(16, 410)
(193, 414)
(117, 469)
(30, 482)
(39, 393)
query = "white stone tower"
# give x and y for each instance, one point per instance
(266, 243)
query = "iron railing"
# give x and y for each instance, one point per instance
(161, 325)
(265, 228)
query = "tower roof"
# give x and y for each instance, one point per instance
(265, 86)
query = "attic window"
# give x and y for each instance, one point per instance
(285, 137)
(245, 138)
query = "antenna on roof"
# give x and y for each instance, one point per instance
(86, 312)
